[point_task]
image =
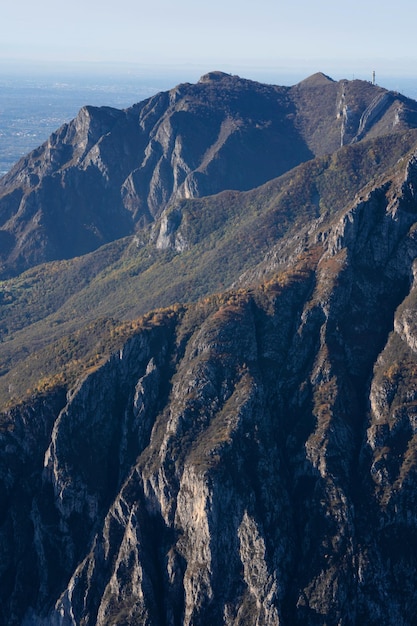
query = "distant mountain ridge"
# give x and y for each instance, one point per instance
(211, 418)
(108, 173)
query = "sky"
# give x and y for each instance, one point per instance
(342, 39)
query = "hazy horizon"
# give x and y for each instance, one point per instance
(168, 73)
(297, 38)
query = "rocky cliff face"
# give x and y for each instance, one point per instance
(248, 459)
(109, 173)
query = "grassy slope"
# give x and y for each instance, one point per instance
(74, 312)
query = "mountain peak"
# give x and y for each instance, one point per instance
(214, 76)
(317, 79)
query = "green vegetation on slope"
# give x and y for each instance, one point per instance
(80, 302)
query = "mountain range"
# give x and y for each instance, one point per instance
(208, 361)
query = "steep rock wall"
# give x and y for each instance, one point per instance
(246, 460)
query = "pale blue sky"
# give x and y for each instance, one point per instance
(350, 38)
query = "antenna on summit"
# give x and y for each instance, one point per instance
(373, 77)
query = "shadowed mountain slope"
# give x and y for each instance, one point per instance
(246, 459)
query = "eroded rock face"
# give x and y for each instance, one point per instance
(250, 459)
